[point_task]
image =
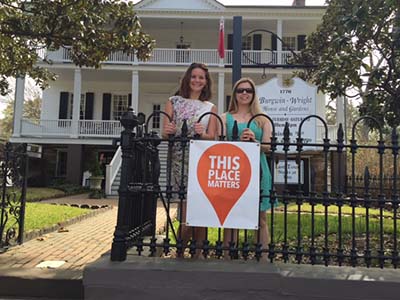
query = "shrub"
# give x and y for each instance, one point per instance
(70, 189)
(94, 166)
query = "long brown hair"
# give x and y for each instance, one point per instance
(184, 89)
(254, 107)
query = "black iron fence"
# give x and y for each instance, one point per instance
(321, 218)
(372, 182)
(13, 175)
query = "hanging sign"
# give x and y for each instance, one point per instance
(291, 172)
(290, 104)
(223, 184)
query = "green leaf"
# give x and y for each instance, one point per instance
(355, 49)
(84, 25)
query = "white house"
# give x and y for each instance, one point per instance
(81, 109)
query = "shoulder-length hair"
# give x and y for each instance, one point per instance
(254, 107)
(184, 89)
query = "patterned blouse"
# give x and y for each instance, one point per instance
(189, 110)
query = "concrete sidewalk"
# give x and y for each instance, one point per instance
(62, 255)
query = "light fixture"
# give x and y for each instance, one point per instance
(181, 43)
(181, 38)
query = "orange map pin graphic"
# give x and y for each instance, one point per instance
(223, 173)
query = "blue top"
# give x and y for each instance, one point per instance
(266, 179)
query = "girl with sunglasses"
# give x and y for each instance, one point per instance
(243, 106)
(189, 103)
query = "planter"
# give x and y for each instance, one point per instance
(95, 182)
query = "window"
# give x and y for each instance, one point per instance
(246, 42)
(71, 106)
(83, 107)
(289, 43)
(156, 118)
(119, 106)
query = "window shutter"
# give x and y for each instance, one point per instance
(301, 42)
(106, 106)
(230, 41)
(257, 42)
(63, 110)
(89, 106)
(130, 101)
(273, 43)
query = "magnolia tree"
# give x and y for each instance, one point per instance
(31, 108)
(357, 53)
(91, 29)
(31, 111)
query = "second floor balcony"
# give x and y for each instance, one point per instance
(65, 128)
(173, 57)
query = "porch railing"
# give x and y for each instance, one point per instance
(112, 170)
(172, 56)
(99, 128)
(57, 128)
(65, 128)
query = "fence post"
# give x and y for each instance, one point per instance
(24, 186)
(119, 246)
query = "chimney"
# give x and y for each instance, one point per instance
(299, 3)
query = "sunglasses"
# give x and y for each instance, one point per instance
(247, 90)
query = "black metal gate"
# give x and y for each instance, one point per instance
(331, 222)
(140, 170)
(13, 182)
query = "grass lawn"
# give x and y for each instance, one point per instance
(319, 224)
(333, 209)
(39, 216)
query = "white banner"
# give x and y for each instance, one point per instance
(292, 172)
(224, 184)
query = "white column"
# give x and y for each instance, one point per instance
(76, 104)
(18, 105)
(135, 91)
(221, 93)
(278, 42)
(340, 110)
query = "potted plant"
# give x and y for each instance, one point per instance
(96, 171)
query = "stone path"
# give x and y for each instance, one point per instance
(80, 244)
(76, 246)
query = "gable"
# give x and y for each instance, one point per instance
(179, 5)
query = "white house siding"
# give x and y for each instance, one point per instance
(180, 5)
